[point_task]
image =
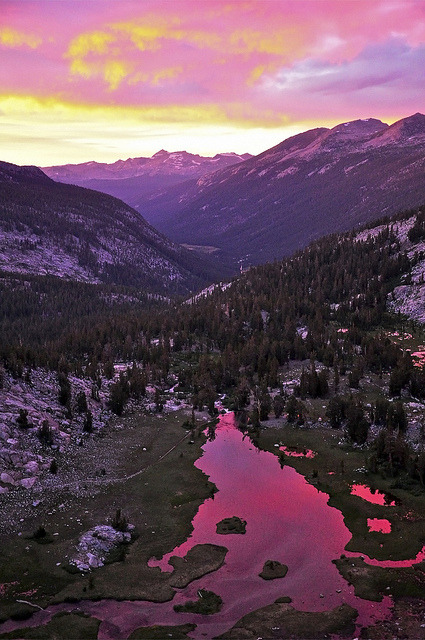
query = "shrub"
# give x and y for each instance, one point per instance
(22, 419)
(119, 522)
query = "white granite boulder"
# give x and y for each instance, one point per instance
(96, 544)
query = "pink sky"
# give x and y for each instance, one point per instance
(103, 79)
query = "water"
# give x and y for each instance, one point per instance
(373, 495)
(288, 520)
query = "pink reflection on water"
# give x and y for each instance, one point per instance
(293, 453)
(372, 495)
(380, 525)
(419, 357)
(288, 520)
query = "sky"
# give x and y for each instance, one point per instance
(101, 80)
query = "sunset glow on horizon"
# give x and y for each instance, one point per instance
(106, 79)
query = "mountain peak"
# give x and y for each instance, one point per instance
(403, 130)
(363, 127)
(161, 154)
(352, 132)
(412, 125)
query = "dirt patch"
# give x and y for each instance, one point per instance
(407, 621)
(282, 621)
(160, 632)
(200, 560)
(207, 604)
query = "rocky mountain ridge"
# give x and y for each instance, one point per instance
(179, 162)
(79, 234)
(136, 179)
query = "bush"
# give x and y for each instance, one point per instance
(81, 402)
(88, 422)
(357, 425)
(278, 405)
(22, 419)
(295, 410)
(64, 395)
(53, 467)
(118, 396)
(45, 434)
(119, 522)
(335, 411)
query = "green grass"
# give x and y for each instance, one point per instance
(160, 632)
(73, 626)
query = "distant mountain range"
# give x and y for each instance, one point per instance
(79, 234)
(137, 179)
(264, 207)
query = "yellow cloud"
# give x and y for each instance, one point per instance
(202, 39)
(115, 52)
(166, 74)
(114, 73)
(259, 71)
(55, 112)
(89, 58)
(256, 74)
(101, 54)
(13, 39)
(144, 37)
(43, 108)
(278, 42)
(94, 42)
(80, 68)
(148, 37)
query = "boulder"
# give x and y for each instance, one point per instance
(98, 544)
(273, 569)
(231, 525)
(28, 483)
(32, 467)
(6, 478)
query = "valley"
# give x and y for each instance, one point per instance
(185, 454)
(212, 320)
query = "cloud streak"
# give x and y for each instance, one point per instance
(384, 78)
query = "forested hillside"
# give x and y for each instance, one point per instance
(331, 301)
